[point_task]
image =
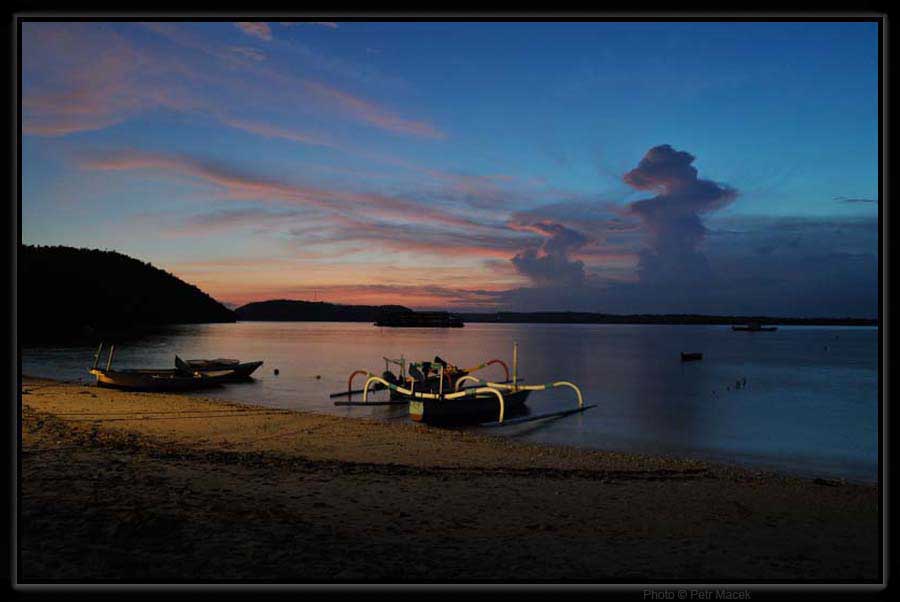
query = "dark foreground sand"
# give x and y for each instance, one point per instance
(164, 488)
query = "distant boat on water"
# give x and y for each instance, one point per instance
(421, 319)
(690, 357)
(755, 327)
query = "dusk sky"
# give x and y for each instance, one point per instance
(719, 168)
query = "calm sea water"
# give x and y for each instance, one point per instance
(809, 405)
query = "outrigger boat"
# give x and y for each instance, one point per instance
(234, 368)
(152, 379)
(429, 376)
(454, 403)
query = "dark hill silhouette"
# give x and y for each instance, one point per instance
(308, 311)
(284, 310)
(69, 293)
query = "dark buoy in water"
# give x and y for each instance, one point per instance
(275, 371)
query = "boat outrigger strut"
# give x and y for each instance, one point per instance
(429, 372)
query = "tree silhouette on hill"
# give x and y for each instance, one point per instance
(66, 292)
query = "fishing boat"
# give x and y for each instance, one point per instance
(432, 376)
(755, 327)
(234, 369)
(481, 402)
(690, 356)
(150, 379)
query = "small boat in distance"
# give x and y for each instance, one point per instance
(234, 369)
(755, 327)
(690, 357)
(420, 319)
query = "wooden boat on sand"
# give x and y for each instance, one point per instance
(143, 379)
(152, 380)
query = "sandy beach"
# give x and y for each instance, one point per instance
(119, 486)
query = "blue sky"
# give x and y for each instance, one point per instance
(466, 165)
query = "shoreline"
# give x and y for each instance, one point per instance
(771, 467)
(218, 481)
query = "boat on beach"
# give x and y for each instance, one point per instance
(152, 380)
(754, 327)
(155, 379)
(232, 369)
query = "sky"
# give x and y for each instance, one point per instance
(623, 167)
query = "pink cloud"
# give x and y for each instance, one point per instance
(416, 297)
(241, 186)
(373, 114)
(85, 78)
(270, 131)
(247, 52)
(255, 28)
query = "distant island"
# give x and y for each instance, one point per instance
(285, 310)
(66, 293)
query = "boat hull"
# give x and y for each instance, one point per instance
(151, 380)
(483, 407)
(221, 371)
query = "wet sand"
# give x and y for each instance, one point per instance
(144, 487)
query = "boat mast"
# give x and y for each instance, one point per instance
(515, 365)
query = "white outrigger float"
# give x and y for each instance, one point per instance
(485, 402)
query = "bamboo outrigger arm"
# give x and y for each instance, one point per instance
(488, 363)
(465, 378)
(350, 380)
(421, 395)
(514, 386)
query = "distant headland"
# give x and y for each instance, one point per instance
(65, 293)
(284, 310)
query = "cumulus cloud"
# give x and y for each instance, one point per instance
(550, 263)
(672, 218)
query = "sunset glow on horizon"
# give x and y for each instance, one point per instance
(667, 167)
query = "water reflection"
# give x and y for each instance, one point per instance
(809, 404)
